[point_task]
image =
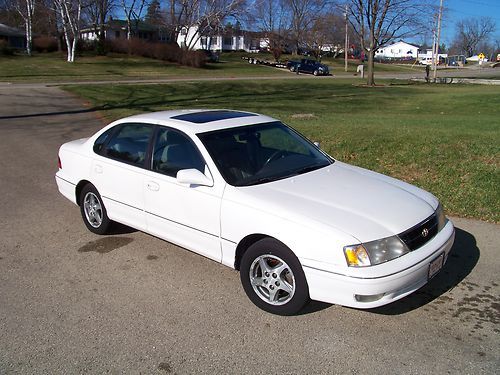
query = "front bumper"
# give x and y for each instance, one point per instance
(377, 291)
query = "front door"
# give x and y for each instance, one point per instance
(186, 215)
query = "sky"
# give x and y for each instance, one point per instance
(457, 10)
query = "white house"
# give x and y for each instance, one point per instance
(229, 40)
(117, 29)
(400, 50)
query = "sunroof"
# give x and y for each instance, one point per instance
(209, 116)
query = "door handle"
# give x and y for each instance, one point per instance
(98, 169)
(153, 186)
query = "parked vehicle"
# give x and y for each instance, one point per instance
(308, 66)
(248, 191)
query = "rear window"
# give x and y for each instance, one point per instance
(129, 144)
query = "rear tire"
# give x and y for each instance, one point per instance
(315, 72)
(93, 211)
(273, 279)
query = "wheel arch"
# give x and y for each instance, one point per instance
(248, 241)
(79, 188)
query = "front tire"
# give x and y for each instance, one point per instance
(93, 211)
(273, 279)
(316, 73)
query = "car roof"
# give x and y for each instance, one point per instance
(194, 121)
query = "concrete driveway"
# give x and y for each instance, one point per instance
(74, 302)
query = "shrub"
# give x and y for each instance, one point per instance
(45, 44)
(5, 50)
(160, 51)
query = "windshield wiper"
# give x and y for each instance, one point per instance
(261, 180)
(309, 168)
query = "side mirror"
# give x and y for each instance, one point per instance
(317, 144)
(193, 177)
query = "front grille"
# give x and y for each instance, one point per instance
(420, 234)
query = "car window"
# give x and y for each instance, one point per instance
(130, 144)
(174, 151)
(101, 140)
(261, 153)
(274, 139)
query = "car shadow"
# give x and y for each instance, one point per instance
(118, 228)
(462, 259)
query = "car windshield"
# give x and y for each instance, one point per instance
(256, 154)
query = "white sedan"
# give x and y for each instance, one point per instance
(251, 193)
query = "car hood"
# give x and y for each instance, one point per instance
(361, 203)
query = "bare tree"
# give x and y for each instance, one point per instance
(133, 11)
(327, 30)
(26, 9)
(273, 20)
(203, 17)
(378, 22)
(472, 32)
(96, 13)
(70, 13)
(303, 15)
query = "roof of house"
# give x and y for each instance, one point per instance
(10, 31)
(122, 25)
(400, 42)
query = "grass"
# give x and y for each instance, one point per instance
(52, 68)
(445, 139)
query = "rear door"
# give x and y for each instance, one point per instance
(118, 173)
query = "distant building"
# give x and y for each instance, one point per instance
(15, 38)
(117, 29)
(229, 39)
(398, 50)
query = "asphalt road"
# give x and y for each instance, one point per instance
(74, 302)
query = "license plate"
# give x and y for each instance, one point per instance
(436, 265)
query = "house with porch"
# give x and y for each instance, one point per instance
(117, 29)
(13, 37)
(229, 39)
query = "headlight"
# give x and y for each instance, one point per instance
(441, 218)
(375, 252)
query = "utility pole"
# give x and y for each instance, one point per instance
(440, 15)
(346, 40)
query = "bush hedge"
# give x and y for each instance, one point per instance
(5, 50)
(160, 51)
(45, 44)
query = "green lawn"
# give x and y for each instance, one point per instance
(445, 139)
(52, 67)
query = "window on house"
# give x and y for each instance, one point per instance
(228, 40)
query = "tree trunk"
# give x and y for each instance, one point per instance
(371, 68)
(73, 49)
(28, 36)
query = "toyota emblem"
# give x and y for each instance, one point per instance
(425, 232)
